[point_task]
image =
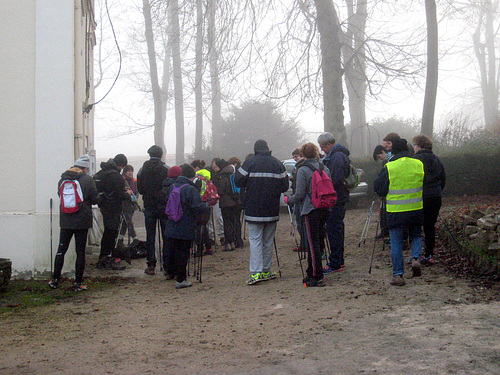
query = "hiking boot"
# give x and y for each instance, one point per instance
(150, 270)
(54, 283)
(312, 283)
(329, 269)
(427, 261)
(78, 287)
(268, 275)
(415, 267)
(255, 278)
(398, 280)
(184, 284)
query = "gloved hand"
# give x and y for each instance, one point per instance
(285, 199)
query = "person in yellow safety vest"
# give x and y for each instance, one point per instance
(401, 181)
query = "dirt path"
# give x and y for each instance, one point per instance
(358, 323)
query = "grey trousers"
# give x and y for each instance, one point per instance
(261, 237)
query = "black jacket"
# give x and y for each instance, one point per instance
(223, 184)
(337, 161)
(82, 219)
(264, 179)
(111, 188)
(435, 176)
(149, 183)
(192, 208)
(381, 187)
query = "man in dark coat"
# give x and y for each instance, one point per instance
(75, 224)
(337, 161)
(264, 178)
(181, 234)
(149, 183)
(111, 187)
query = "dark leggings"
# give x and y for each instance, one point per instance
(230, 218)
(432, 205)
(64, 241)
(314, 223)
(176, 257)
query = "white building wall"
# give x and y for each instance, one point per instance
(36, 136)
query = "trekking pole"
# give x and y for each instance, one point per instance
(51, 255)
(277, 258)
(212, 216)
(243, 224)
(200, 246)
(367, 224)
(374, 244)
(292, 233)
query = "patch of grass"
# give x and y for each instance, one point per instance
(23, 294)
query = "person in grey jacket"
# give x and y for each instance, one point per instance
(314, 218)
(75, 224)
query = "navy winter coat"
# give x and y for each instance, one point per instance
(435, 176)
(264, 179)
(82, 219)
(192, 208)
(337, 161)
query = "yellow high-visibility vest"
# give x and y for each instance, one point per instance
(406, 183)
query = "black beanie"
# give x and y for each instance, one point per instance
(221, 163)
(155, 151)
(120, 160)
(399, 145)
(260, 145)
(187, 171)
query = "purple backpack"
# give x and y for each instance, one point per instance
(173, 209)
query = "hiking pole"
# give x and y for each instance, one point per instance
(244, 224)
(212, 216)
(292, 233)
(51, 255)
(277, 258)
(367, 224)
(200, 245)
(374, 244)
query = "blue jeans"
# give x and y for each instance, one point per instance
(150, 219)
(335, 230)
(396, 235)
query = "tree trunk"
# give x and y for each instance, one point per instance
(198, 144)
(174, 41)
(355, 74)
(159, 125)
(485, 55)
(431, 82)
(165, 86)
(214, 76)
(333, 96)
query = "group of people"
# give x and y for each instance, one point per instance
(410, 185)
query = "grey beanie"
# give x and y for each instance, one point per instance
(83, 161)
(260, 145)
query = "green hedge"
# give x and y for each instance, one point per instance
(466, 174)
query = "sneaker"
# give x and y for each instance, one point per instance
(54, 283)
(415, 267)
(312, 283)
(398, 280)
(327, 270)
(78, 287)
(209, 252)
(427, 261)
(268, 275)
(184, 284)
(255, 278)
(150, 270)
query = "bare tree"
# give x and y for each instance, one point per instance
(199, 77)
(214, 74)
(174, 41)
(432, 68)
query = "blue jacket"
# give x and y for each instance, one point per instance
(264, 179)
(381, 187)
(192, 207)
(337, 161)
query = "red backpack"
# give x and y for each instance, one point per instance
(211, 197)
(71, 195)
(323, 193)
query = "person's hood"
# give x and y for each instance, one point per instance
(110, 164)
(205, 173)
(263, 152)
(228, 169)
(339, 148)
(404, 154)
(184, 180)
(74, 173)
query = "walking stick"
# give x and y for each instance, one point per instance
(200, 246)
(374, 244)
(277, 258)
(292, 233)
(212, 216)
(51, 255)
(367, 224)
